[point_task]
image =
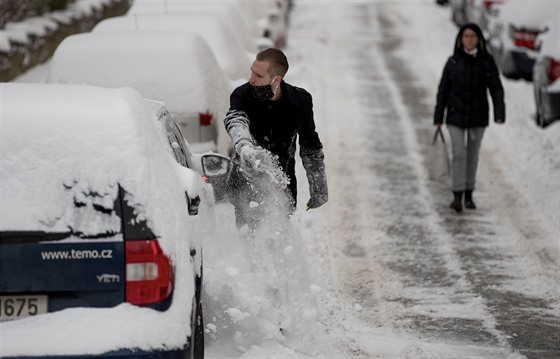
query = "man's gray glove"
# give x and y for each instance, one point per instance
(317, 201)
(313, 162)
(256, 161)
(318, 190)
(251, 156)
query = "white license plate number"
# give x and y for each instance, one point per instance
(21, 306)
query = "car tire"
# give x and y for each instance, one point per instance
(539, 116)
(198, 351)
(198, 328)
(500, 60)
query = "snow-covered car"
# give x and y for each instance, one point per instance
(178, 69)
(458, 11)
(230, 14)
(271, 17)
(480, 12)
(273, 26)
(513, 33)
(546, 76)
(477, 11)
(102, 225)
(229, 52)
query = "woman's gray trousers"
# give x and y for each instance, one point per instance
(466, 145)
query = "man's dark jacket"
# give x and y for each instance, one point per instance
(275, 126)
(464, 85)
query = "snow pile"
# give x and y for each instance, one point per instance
(257, 282)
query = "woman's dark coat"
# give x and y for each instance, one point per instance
(464, 84)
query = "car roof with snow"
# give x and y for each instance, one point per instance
(68, 144)
(176, 68)
(551, 40)
(231, 14)
(226, 46)
(527, 14)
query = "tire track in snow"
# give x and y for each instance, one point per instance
(394, 260)
(497, 255)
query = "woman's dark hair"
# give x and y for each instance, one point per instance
(278, 61)
(474, 27)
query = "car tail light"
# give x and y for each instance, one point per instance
(489, 3)
(524, 38)
(205, 119)
(553, 69)
(149, 276)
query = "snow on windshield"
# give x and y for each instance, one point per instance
(52, 155)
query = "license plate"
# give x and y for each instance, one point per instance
(21, 306)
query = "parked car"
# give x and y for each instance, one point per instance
(480, 12)
(230, 14)
(271, 16)
(458, 15)
(101, 226)
(513, 34)
(273, 26)
(178, 69)
(230, 54)
(546, 76)
(477, 11)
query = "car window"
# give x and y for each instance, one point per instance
(177, 142)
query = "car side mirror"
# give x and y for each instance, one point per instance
(216, 169)
(215, 165)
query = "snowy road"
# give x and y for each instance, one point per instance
(402, 275)
(386, 269)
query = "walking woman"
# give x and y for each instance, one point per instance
(467, 78)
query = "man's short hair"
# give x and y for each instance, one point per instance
(277, 59)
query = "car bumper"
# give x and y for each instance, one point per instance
(121, 354)
(518, 64)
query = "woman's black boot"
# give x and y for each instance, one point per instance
(456, 204)
(468, 200)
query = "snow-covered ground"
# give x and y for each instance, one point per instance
(327, 282)
(325, 43)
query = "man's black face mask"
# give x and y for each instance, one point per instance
(263, 93)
